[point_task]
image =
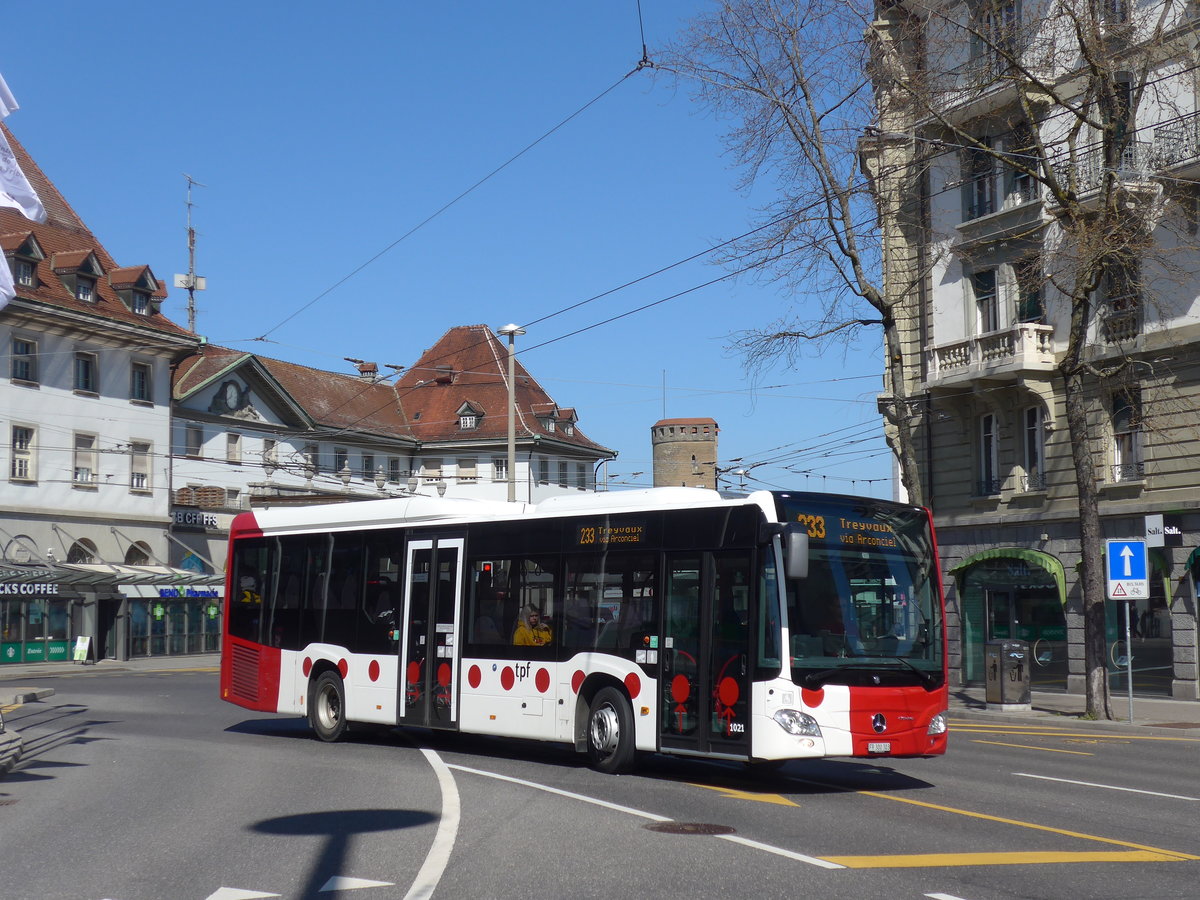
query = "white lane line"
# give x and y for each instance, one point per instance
(1108, 787)
(943, 897)
(629, 810)
(438, 856)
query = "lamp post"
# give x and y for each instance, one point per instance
(511, 331)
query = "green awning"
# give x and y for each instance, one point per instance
(1046, 562)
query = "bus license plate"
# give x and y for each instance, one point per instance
(879, 747)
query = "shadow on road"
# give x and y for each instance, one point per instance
(338, 827)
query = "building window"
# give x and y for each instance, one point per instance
(270, 452)
(87, 380)
(989, 480)
(568, 428)
(193, 440)
(1031, 304)
(987, 301)
(1035, 450)
(466, 469)
(233, 498)
(1121, 310)
(141, 303)
(368, 466)
(233, 447)
(431, 468)
(543, 471)
(563, 480)
(24, 361)
(139, 382)
(581, 476)
(341, 460)
(85, 288)
(394, 469)
(312, 462)
(1127, 436)
(86, 460)
(995, 41)
(23, 466)
(23, 271)
(139, 466)
(467, 422)
(979, 180)
(499, 468)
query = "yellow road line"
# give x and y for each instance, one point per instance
(1040, 857)
(1033, 825)
(1102, 738)
(1031, 747)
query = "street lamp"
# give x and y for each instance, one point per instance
(511, 331)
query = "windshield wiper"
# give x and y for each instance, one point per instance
(929, 679)
(814, 680)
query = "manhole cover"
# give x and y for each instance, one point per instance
(689, 828)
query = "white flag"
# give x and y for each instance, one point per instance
(15, 191)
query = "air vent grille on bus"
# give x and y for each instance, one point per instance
(244, 674)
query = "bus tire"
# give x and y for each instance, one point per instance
(327, 709)
(610, 744)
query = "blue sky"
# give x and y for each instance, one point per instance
(325, 134)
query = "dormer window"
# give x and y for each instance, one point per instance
(469, 417)
(467, 423)
(137, 288)
(141, 303)
(23, 272)
(85, 288)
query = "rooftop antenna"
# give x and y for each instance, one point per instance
(191, 281)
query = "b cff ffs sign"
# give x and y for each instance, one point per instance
(1128, 571)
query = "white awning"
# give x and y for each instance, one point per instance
(97, 574)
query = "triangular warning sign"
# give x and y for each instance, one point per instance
(1118, 591)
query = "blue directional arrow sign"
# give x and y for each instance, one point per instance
(1128, 573)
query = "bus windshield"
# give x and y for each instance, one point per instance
(870, 606)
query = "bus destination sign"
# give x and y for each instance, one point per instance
(590, 535)
(850, 532)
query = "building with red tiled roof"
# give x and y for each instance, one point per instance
(85, 473)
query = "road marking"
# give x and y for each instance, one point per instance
(1104, 738)
(228, 893)
(735, 794)
(438, 856)
(1030, 747)
(943, 897)
(642, 814)
(1016, 858)
(1109, 787)
(342, 883)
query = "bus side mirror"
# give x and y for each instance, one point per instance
(795, 551)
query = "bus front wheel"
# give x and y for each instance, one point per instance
(327, 709)
(610, 732)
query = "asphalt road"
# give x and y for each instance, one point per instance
(144, 786)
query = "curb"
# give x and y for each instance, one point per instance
(11, 746)
(25, 695)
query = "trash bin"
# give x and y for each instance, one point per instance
(1006, 673)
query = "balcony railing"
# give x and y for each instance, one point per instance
(1021, 348)
(988, 487)
(1131, 471)
(1121, 319)
(1033, 481)
(1088, 168)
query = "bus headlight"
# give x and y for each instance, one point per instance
(795, 722)
(937, 724)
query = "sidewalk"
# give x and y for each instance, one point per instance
(27, 683)
(1046, 707)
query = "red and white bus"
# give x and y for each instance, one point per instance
(775, 626)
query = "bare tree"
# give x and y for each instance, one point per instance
(850, 106)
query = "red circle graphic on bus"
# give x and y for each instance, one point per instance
(307, 666)
(728, 692)
(542, 680)
(680, 689)
(507, 678)
(373, 670)
(343, 667)
(413, 672)
(577, 680)
(633, 684)
(812, 698)
(474, 676)
(444, 674)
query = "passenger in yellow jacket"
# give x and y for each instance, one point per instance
(532, 632)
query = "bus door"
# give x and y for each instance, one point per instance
(706, 664)
(430, 647)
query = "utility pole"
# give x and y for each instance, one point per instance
(191, 281)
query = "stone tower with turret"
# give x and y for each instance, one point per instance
(685, 452)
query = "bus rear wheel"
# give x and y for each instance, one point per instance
(327, 707)
(610, 732)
